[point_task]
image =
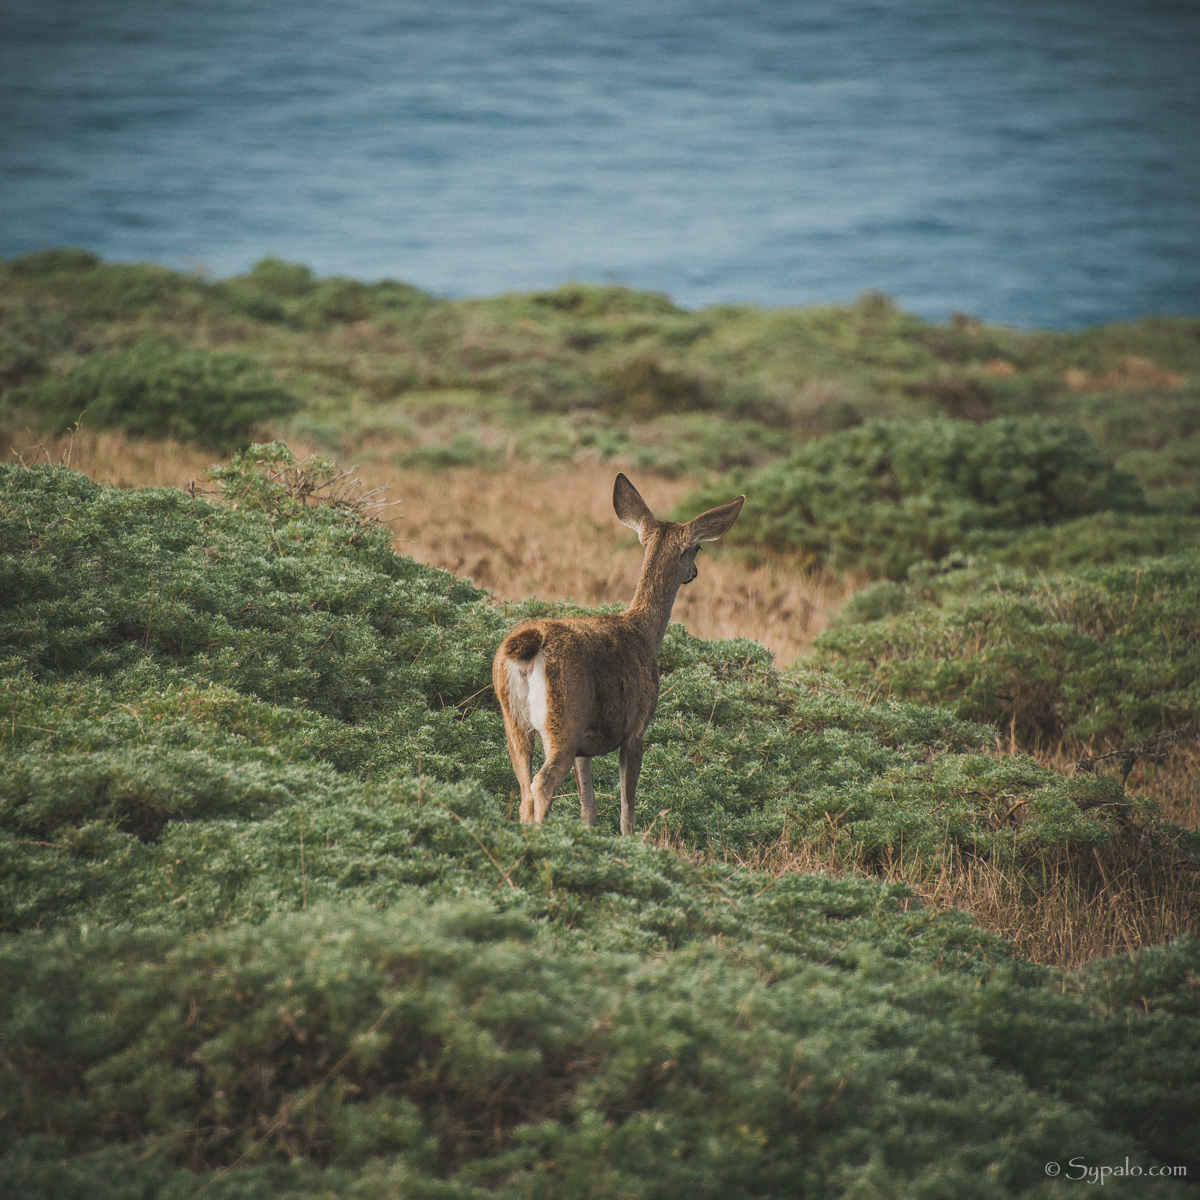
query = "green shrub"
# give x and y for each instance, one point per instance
(548, 386)
(157, 389)
(30, 336)
(61, 261)
(94, 291)
(334, 300)
(451, 1048)
(644, 388)
(289, 293)
(884, 496)
(1171, 475)
(527, 999)
(281, 279)
(308, 607)
(1107, 537)
(1110, 654)
(597, 300)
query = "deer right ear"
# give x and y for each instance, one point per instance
(709, 526)
(630, 508)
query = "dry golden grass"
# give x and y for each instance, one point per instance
(111, 457)
(520, 531)
(530, 531)
(524, 532)
(1060, 911)
(1169, 778)
(1173, 782)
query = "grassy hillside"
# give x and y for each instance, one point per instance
(273, 929)
(582, 370)
(139, 365)
(268, 923)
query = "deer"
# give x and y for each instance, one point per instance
(586, 686)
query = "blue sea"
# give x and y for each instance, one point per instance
(1032, 162)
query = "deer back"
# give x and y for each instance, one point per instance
(599, 676)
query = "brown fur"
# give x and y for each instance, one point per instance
(600, 673)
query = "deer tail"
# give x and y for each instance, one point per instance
(523, 644)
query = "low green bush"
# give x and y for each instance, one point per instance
(157, 389)
(886, 495)
(453, 1049)
(63, 260)
(92, 290)
(284, 280)
(289, 293)
(1107, 655)
(30, 336)
(1107, 537)
(644, 387)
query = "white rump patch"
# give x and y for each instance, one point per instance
(527, 693)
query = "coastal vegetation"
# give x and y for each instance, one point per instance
(914, 909)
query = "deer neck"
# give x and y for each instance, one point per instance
(650, 608)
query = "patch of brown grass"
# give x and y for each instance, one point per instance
(1134, 372)
(110, 456)
(520, 531)
(1062, 911)
(1164, 770)
(1171, 780)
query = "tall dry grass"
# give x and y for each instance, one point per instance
(110, 456)
(1062, 910)
(519, 531)
(524, 532)
(1170, 779)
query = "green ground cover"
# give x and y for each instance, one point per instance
(268, 923)
(271, 927)
(1107, 655)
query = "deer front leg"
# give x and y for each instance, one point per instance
(631, 766)
(587, 793)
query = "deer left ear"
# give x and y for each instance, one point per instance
(630, 508)
(709, 526)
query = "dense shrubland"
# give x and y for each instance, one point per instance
(884, 496)
(1105, 655)
(270, 926)
(590, 370)
(154, 388)
(271, 919)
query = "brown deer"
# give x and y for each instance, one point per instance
(588, 685)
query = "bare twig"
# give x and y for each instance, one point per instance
(1153, 749)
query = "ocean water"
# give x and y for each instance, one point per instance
(1034, 162)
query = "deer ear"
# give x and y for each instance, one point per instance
(630, 508)
(709, 526)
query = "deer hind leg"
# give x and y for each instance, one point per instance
(520, 750)
(547, 781)
(631, 767)
(587, 792)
